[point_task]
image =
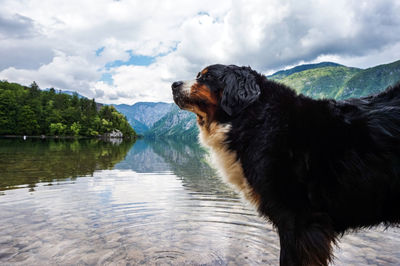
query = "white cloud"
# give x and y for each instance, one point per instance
(66, 72)
(144, 83)
(55, 42)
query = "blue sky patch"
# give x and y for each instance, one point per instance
(99, 51)
(107, 78)
(136, 60)
(201, 13)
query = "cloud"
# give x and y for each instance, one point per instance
(20, 42)
(144, 83)
(128, 51)
(65, 72)
(16, 26)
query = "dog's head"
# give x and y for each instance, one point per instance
(217, 88)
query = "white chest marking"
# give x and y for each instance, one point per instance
(226, 161)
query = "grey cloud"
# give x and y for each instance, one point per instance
(17, 26)
(372, 28)
(19, 54)
(22, 45)
(99, 93)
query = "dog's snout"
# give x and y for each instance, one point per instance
(176, 85)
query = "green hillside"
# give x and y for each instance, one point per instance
(284, 73)
(320, 82)
(330, 80)
(371, 80)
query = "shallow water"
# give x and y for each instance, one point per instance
(157, 203)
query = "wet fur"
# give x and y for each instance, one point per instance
(314, 168)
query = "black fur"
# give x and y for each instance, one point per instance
(321, 167)
(241, 89)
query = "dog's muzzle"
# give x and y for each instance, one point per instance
(175, 86)
(177, 93)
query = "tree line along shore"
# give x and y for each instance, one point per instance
(29, 111)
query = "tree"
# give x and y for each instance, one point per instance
(26, 122)
(34, 86)
(75, 128)
(57, 129)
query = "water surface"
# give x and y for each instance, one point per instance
(92, 202)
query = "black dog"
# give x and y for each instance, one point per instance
(314, 168)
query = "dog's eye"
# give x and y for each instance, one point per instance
(198, 75)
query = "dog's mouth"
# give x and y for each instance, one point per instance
(179, 99)
(180, 95)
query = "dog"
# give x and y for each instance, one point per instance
(315, 169)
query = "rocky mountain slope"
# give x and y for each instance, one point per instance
(175, 124)
(143, 115)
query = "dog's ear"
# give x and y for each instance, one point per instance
(241, 89)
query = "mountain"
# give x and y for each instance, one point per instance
(71, 93)
(284, 73)
(371, 80)
(330, 80)
(175, 124)
(320, 80)
(143, 115)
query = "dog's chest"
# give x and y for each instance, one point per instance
(226, 162)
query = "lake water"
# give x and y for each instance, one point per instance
(154, 203)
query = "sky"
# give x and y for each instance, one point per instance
(129, 51)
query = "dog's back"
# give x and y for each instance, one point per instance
(354, 171)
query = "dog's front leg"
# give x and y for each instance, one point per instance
(306, 242)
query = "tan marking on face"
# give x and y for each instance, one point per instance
(205, 113)
(201, 91)
(230, 168)
(204, 71)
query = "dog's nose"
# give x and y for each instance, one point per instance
(176, 84)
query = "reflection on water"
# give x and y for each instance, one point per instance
(155, 203)
(34, 160)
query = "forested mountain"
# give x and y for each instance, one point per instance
(284, 73)
(320, 82)
(30, 111)
(330, 80)
(371, 80)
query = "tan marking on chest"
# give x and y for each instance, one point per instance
(226, 161)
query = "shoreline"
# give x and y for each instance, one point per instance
(44, 137)
(58, 137)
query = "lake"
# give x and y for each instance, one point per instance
(91, 202)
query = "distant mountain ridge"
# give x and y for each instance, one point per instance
(322, 80)
(71, 93)
(330, 80)
(143, 115)
(284, 73)
(175, 124)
